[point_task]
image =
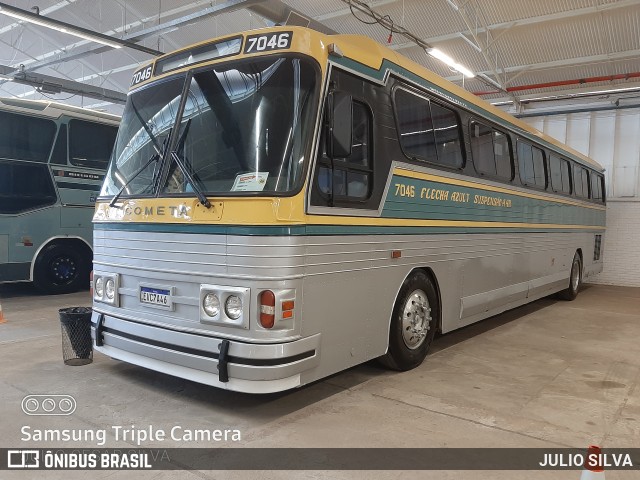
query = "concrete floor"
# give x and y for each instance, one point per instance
(550, 374)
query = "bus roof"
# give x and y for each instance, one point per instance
(54, 109)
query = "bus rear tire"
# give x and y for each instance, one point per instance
(62, 268)
(575, 280)
(413, 323)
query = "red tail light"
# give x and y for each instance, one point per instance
(267, 309)
(91, 284)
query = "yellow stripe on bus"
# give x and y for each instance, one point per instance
(412, 222)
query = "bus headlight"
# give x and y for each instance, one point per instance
(110, 288)
(211, 304)
(233, 307)
(105, 288)
(99, 287)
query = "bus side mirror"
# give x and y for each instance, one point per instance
(340, 125)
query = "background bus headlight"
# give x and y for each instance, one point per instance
(99, 287)
(211, 304)
(233, 307)
(110, 288)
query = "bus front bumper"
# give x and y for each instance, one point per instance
(232, 365)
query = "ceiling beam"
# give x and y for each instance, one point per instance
(56, 84)
(139, 35)
(65, 27)
(44, 11)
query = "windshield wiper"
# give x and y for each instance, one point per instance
(185, 171)
(154, 158)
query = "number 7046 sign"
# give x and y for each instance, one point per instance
(268, 41)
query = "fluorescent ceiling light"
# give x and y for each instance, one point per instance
(443, 57)
(48, 23)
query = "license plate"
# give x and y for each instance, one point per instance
(155, 296)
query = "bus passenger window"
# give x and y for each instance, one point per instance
(560, 173)
(351, 175)
(596, 187)
(417, 137)
(447, 132)
(490, 151)
(25, 138)
(90, 144)
(428, 131)
(581, 181)
(531, 163)
(25, 186)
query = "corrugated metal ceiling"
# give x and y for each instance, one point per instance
(534, 41)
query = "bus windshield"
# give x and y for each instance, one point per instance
(245, 127)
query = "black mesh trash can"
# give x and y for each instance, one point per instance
(77, 348)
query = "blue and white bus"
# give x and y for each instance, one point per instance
(52, 163)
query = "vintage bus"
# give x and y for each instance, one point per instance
(282, 204)
(52, 163)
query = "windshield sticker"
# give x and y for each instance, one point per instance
(250, 182)
(269, 41)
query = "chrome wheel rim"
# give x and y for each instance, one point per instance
(575, 276)
(416, 319)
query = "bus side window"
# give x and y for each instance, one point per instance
(25, 186)
(596, 187)
(560, 174)
(490, 151)
(581, 181)
(531, 163)
(25, 138)
(417, 137)
(353, 175)
(90, 143)
(428, 131)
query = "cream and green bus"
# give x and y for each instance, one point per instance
(52, 163)
(283, 204)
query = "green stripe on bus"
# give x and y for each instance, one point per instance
(323, 229)
(418, 199)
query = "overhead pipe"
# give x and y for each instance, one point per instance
(562, 83)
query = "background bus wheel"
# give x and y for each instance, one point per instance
(413, 323)
(575, 279)
(62, 268)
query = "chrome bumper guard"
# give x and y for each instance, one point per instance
(228, 364)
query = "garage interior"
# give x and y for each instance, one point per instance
(548, 374)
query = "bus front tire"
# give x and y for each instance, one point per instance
(413, 323)
(575, 279)
(61, 268)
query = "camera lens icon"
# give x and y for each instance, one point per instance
(49, 405)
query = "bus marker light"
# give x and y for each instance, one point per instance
(287, 305)
(396, 254)
(267, 309)
(287, 314)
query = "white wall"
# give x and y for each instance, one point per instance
(612, 138)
